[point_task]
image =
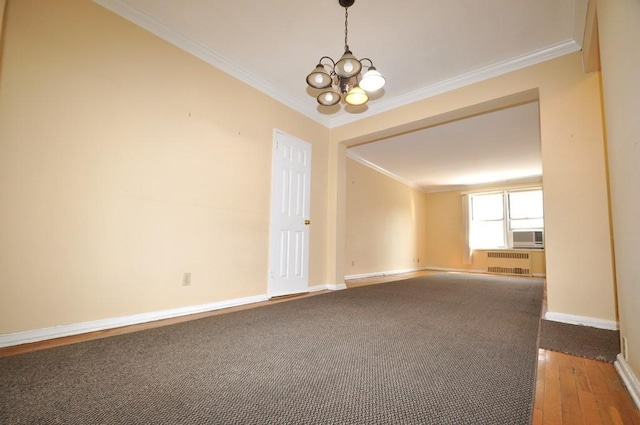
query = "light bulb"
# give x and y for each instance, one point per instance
(348, 66)
(356, 96)
(318, 78)
(372, 80)
(328, 98)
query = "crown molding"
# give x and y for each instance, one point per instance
(467, 188)
(199, 50)
(580, 10)
(381, 170)
(499, 68)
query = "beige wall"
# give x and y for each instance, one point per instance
(444, 231)
(385, 222)
(578, 244)
(445, 236)
(125, 162)
(3, 6)
(391, 227)
(619, 31)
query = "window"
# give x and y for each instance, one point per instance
(494, 216)
(525, 210)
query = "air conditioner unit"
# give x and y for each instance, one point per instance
(528, 239)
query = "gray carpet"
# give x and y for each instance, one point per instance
(582, 341)
(441, 349)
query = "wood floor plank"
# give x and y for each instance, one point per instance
(624, 408)
(582, 379)
(615, 416)
(539, 394)
(571, 412)
(600, 390)
(588, 404)
(538, 415)
(589, 407)
(552, 393)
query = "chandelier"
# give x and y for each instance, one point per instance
(345, 77)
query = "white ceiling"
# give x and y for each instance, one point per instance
(422, 47)
(501, 146)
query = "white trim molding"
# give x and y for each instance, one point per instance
(308, 108)
(394, 272)
(35, 335)
(379, 169)
(380, 274)
(451, 270)
(490, 71)
(205, 53)
(328, 286)
(582, 320)
(433, 269)
(581, 8)
(629, 378)
(43, 334)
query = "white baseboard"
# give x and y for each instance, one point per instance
(382, 274)
(451, 270)
(582, 320)
(435, 269)
(328, 286)
(35, 335)
(629, 378)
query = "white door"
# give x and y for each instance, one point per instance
(290, 220)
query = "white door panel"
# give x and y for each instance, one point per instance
(290, 202)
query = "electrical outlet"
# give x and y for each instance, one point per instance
(186, 279)
(353, 262)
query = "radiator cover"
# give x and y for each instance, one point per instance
(509, 262)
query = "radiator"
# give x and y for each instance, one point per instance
(509, 262)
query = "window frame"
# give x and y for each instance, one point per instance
(507, 228)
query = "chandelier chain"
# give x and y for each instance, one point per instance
(346, 23)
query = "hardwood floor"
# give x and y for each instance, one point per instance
(572, 390)
(569, 390)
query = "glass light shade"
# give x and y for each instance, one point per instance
(372, 80)
(328, 98)
(356, 96)
(348, 65)
(318, 78)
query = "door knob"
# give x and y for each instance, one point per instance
(307, 222)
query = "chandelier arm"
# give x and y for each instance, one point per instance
(333, 64)
(368, 60)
